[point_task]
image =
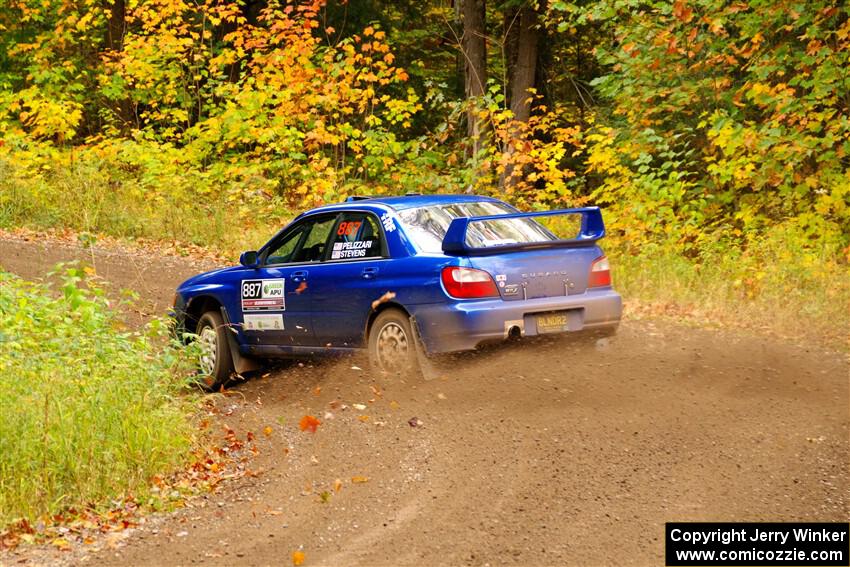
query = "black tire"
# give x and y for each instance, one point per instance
(216, 361)
(391, 343)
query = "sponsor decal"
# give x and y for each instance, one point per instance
(512, 289)
(388, 222)
(263, 295)
(355, 249)
(263, 322)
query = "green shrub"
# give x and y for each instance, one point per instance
(89, 412)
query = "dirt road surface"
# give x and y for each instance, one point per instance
(544, 453)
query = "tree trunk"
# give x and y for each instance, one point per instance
(521, 80)
(115, 29)
(115, 26)
(526, 65)
(510, 42)
(474, 47)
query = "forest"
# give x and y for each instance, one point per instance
(714, 133)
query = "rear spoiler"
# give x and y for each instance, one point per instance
(592, 229)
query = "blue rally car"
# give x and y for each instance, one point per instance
(442, 272)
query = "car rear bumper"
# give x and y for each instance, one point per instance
(464, 325)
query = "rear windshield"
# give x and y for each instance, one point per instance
(427, 226)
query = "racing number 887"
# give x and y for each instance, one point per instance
(251, 289)
(348, 228)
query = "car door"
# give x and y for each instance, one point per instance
(343, 287)
(274, 298)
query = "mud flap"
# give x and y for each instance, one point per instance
(241, 364)
(425, 365)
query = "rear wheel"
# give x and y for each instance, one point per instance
(215, 362)
(391, 343)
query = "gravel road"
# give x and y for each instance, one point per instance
(541, 453)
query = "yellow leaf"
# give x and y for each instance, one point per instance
(267, 430)
(359, 479)
(337, 485)
(297, 557)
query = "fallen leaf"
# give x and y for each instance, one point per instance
(267, 430)
(309, 422)
(297, 558)
(317, 390)
(360, 407)
(389, 296)
(337, 485)
(363, 418)
(359, 479)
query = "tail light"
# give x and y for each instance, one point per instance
(468, 283)
(600, 273)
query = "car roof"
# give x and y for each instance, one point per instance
(410, 201)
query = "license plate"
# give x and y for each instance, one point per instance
(553, 322)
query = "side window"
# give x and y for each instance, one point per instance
(313, 247)
(357, 235)
(305, 243)
(284, 250)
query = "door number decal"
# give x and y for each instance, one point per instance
(263, 295)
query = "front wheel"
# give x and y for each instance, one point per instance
(215, 362)
(391, 343)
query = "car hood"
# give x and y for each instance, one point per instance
(206, 277)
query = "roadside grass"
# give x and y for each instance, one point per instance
(89, 412)
(97, 197)
(773, 287)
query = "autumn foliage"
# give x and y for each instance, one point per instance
(708, 129)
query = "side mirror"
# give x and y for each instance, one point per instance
(249, 259)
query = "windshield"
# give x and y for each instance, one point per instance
(427, 226)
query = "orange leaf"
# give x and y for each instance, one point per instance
(267, 430)
(297, 557)
(309, 422)
(337, 485)
(359, 479)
